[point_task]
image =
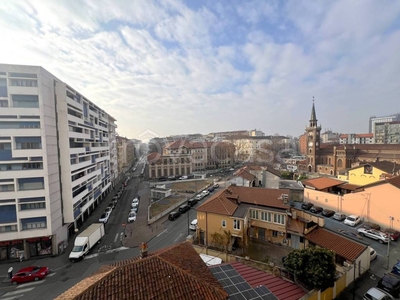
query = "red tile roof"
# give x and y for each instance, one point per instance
(244, 174)
(177, 272)
(321, 183)
(281, 288)
(364, 135)
(341, 245)
(395, 181)
(219, 204)
(260, 196)
(348, 186)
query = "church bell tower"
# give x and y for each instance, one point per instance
(313, 141)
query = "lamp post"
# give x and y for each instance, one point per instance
(388, 249)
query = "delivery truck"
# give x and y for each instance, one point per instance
(86, 241)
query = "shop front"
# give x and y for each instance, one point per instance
(39, 246)
(12, 250)
(24, 249)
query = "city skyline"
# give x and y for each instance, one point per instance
(170, 67)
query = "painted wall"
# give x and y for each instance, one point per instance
(364, 175)
(376, 203)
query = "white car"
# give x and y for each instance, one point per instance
(135, 204)
(205, 193)
(136, 200)
(372, 253)
(193, 225)
(108, 209)
(104, 217)
(131, 217)
(374, 234)
(352, 220)
(199, 197)
(183, 177)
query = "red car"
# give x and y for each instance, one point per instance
(33, 273)
(394, 234)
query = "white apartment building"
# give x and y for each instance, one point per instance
(55, 161)
(353, 138)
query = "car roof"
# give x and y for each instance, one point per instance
(353, 216)
(28, 269)
(376, 293)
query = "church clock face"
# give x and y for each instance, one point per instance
(310, 144)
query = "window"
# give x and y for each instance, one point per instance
(24, 82)
(27, 101)
(279, 219)
(26, 184)
(3, 87)
(223, 223)
(266, 216)
(34, 223)
(8, 228)
(29, 206)
(254, 214)
(236, 224)
(274, 233)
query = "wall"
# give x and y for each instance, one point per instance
(359, 177)
(270, 181)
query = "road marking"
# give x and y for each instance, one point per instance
(18, 292)
(178, 237)
(105, 252)
(51, 274)
(30, 284)
(162, 232)
(116, 238)
(121, 236)
(11, 298)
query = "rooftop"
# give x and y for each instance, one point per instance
(322, 183)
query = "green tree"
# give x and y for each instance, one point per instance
(315, 267)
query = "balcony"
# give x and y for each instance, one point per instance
(27, 152)
(74, 104)
(76, 150)
(81, 165)
(80, 194)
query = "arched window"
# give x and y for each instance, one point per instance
(339, 163)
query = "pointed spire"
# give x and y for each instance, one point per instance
(313, 119)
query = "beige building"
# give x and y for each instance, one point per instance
(184, 157)
(126, 153)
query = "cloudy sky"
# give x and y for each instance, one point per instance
(173, 67)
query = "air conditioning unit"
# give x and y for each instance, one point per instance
(346, 264)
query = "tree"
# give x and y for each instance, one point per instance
(315, 267)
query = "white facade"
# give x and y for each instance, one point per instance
(54, 161)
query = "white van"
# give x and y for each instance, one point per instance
(193, 225)
(377, 294)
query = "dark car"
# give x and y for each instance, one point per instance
(113, 204)
(396, 268)
(316, 209)
(390, 283)
(370, 225)
(394, 234)
(162, 179)
(173, 215)
(211, 189)
(307, 205)
(190, 176)
(184, 208)
(192, 202)
(328, 213)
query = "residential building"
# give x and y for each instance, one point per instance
(382, 120)
(176, 272)
(353, 138)
(184, 157)
(54, 161)
(303, 144)
(113, 151)
(243, 178)
(329, 137)
(126, 154)
(387, 133)
(333, 159)
(265, 175)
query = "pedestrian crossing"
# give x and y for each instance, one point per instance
(23, 289)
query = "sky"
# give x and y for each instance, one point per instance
(178, 67)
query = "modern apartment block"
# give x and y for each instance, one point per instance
(184, 157)
(386, 129)
(56, 162)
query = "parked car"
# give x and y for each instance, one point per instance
(32, 273)
(216, 185)
(113, 204)
(131, 217)
(372, 254)
(352, 220)
(173, 215)
(135, 200)
(184, 208)
(109, 209)
(377, 294)
(370, 225)
(396, 268)
(183, 177)
(199, 196)
(192, 202)
(171, 177)
(339, 216)
(231, 169)
(162, 178)
(374, 234)
(316, 209)
(327, 213)
(104, 217)
(116, 197)
(394, 234)
(390, 283)
(190, 176)
(211, 189)
(135, 209)
(307, 205)
(205, 193)
(193, 225)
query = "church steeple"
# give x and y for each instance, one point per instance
(313, 119)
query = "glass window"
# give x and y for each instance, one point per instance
(3, 87)
(279, 219)
(223, 223)
(254, 214)
(266, 216)
(29, 206)
(236, 224)
(23, 75)
(27, 101)
(23, 82)
(34, 223)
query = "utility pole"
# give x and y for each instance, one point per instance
(388, 249)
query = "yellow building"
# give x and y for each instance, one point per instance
(366, 173)
(232, 216)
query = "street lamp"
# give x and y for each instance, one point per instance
(388, 249)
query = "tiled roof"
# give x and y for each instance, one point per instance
(281, 288)
(343, 136)
(321, 183)
(348, 186)
(384, 165)
(341, 245)
(175, 273)
(196, 144)
(261, 168)
(260, 196)
(245, 175)
(364, 135)
(218, 204)
(153, 157)
(395, 181)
